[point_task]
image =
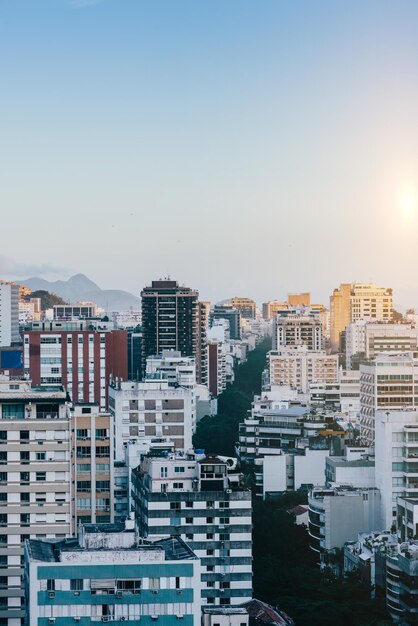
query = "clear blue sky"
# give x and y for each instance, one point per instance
(244, 147)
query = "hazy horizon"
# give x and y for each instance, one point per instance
(244, 148)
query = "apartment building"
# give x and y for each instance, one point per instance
(80, 310)
(35, 484)
(199, 500)
(389, 382)
(231, 315)
(152, 408)
(109, 574)
(170, 365)
(298, 330)
(299, 367)
(216, 367)
(372, 338)
(245, 306)
(339, 514)
(396, 459)
(358, 301)
(9, 314)
(174, 319)
(93, 468)
(81, 358)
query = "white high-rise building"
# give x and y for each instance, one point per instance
(171, 366)
(396, 459)
(390, 382)
(199, 499)
(152, 408)
(373, 338)
(9, 314)
(35, 479)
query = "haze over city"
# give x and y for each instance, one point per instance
(240, 147)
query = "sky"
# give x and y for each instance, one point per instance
(242, 147)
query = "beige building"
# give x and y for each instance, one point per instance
(35, 480)
(272, 307)
(298, 367)
(299, 299)
(358, 301)
(92, 465)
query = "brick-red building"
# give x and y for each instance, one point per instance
(81, 360)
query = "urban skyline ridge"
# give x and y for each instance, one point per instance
(136, 294)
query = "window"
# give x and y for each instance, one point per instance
(163, 472)
(25, 497)
(224, 520)
(209, 520)
(40, 456)
(3, 457)
(210, 583)
(83, 485)
(85, 467)
(210, 552)
(210, 568)
(179, 470)
(154, 583)
(177, 485)
(189, 505)
(224, 505)
(224, 584)
(3, 477)
(24, 457)
(102, 433)
(83, 451)
(129, 586)
(177, 582)
(102, 451)
(83, 433)
(175, 506)
(50, 584)
(189, 536)
(24, 519)
(224, 537)
(76, 584)
(209, 535)
(3, 497)
(102, 485)
(3, 519)
(13, 411)
(189, 520)
(3, 435)
(40, 476)
(210, 504)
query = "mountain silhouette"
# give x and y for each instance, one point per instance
(80, 288)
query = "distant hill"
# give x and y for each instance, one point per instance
(48, 300)
(80, 288)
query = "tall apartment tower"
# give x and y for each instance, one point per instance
(173, 319)
(35, 484)
(93, 468)
(9, 314)
(358, 301)
(388, 383)
(202, 503)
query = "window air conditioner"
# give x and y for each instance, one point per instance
(51, 594)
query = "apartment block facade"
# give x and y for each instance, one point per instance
(35, 483)
(82, 360)
(152, 408)
(109, 575)
(197, 500)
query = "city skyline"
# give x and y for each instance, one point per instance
(240, 140)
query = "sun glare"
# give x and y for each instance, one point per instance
(409, 203)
